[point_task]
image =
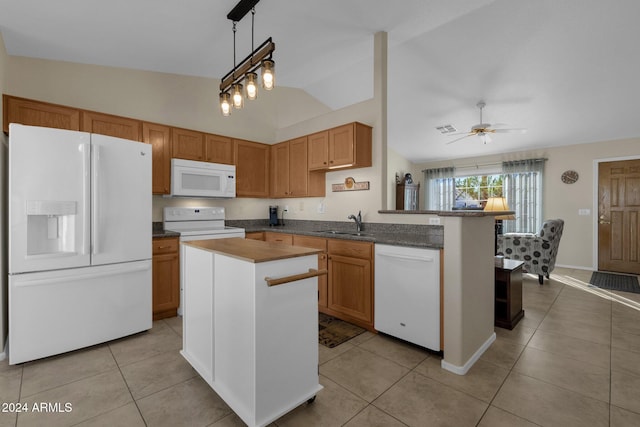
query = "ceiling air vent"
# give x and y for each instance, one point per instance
(445, 129)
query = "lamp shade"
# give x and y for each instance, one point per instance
(498, 204)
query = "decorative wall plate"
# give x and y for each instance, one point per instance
(569, 177)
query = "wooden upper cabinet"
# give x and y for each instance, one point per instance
(218, 149)
(187, 144)
(106, 124)
(298, 170)
(159, 136)
(252, 168)
(36, 113)
(350, 146)
(290, 176)
(347, 146)
(280, 170)
(318, 150)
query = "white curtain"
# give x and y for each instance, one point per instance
(439, 188)
(523, 190)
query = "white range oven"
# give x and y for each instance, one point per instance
(203, 223)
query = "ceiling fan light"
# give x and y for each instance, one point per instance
(484, 137)
(238, 98)
(268, 74)
(251, 87)
(225, 105)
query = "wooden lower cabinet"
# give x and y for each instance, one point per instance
(166, 277)
(350, 290)
(254, 235)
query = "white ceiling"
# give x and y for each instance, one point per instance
(567, 70)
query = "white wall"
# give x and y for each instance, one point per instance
(3, 208)
(191, 102)
(563, 200)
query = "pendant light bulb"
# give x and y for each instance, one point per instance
(252, 88)
(268, 74)
(238, 99)
(225, 106)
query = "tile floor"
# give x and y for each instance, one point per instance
(574, 360)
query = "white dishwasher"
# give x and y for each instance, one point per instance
(407, 294)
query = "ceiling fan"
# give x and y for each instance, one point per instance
(483, 130)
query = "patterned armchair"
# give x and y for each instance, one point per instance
(537, 251)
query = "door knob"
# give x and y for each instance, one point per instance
(604, 222)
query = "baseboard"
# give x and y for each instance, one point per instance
(575, 267)
(462, 370)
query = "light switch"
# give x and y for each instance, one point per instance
(584, 211)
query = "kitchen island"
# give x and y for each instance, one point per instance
(251, 324)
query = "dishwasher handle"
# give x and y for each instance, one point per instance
(406, 257)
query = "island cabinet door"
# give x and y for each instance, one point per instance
(350, 290)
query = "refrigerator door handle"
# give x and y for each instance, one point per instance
(85, 149)
(95, 211)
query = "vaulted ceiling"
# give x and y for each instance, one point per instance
(567, 70)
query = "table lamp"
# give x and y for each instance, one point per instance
(498, 204)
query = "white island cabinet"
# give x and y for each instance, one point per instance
(251, 323)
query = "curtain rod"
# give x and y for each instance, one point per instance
(479, 165)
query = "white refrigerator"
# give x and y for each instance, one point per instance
(79, 240)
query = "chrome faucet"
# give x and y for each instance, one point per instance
(358, 220)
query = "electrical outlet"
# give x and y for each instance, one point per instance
(584, 211)
(321, 208)
(434, 221)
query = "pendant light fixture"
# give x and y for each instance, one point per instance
(252, 88)
(225, 105)
(231, 88)
(268, 74)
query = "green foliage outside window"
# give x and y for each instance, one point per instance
(473, 191)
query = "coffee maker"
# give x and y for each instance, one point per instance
(273, 216)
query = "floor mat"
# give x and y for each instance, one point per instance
(333, 332)
(615, 282)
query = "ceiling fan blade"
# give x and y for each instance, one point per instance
(509, 130)
(458, 139)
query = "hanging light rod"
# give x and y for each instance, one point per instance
(248, 64)
(241, 9)
(232, 89)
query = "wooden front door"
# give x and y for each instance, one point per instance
(619, 216)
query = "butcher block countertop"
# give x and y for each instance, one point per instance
(252, 250)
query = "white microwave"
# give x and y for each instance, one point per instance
(202, 179)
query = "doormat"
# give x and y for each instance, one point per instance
(333, 332)
(615, 282)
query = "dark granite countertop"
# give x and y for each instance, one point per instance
(158, 231)
(424, 236)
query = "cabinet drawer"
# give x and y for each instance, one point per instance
(310, 242)
(362, 250)
(254, 235)
(165, 246)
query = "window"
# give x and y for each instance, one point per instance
(472, 192)
(519, 182)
